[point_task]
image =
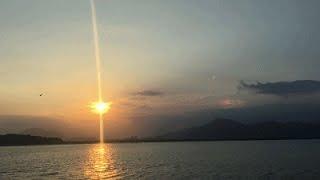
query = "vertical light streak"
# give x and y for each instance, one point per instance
(98, 64)
(101, 128)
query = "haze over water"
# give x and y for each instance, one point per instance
(293, 159)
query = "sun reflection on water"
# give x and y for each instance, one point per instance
(100, 163)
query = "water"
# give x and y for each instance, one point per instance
(294, 159)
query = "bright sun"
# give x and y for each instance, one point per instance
(100, 107)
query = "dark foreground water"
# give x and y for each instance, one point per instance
(182, 160)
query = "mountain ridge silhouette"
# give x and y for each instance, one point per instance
(227, 129)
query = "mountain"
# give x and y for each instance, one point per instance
(226, 129)
(18, 139)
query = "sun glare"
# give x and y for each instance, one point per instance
(100, 107)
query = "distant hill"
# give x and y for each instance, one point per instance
(17, 139)
(40, 132)
(226, 129)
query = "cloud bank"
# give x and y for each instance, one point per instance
(283, 88)
(148, 93)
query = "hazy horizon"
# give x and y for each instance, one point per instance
(166, 65)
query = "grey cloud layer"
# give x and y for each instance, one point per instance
(148, 93)
(283, 88)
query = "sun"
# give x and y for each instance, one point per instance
(100, 107)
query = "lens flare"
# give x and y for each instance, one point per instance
(100, 107)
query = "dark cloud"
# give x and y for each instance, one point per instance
(283, 88)
(148, 93)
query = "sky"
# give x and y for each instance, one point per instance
(165, 64)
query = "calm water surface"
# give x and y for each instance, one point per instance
(183, 160)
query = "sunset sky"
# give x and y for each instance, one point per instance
(165, 64)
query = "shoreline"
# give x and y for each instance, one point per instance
(155, 141)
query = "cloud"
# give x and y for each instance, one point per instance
(135, 106)
(283, 88)
(150, 93)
